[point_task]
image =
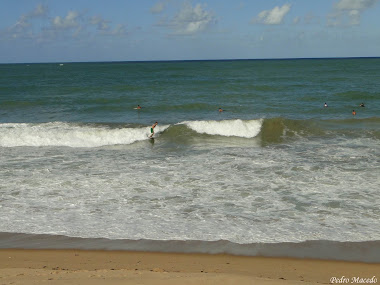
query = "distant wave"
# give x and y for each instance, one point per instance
(267, 131)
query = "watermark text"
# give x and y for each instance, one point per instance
(353, 280)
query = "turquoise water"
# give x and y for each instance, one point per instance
(275, 166)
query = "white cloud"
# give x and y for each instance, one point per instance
(22, 24)
(100, 23)
(39, 11)
(120, 30)
(348, 12)
(191, 20)
(104, 28)
(39, 26)
(70, 21)
(23, 27)
(272, 17)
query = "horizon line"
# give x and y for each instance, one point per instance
(192, 60)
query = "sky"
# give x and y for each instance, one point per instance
(144, 30)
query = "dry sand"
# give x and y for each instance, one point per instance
(18, 266)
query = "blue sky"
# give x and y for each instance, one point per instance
(127, 30)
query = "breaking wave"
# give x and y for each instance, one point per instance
(268, 131)
(71, 135)
(228, 128)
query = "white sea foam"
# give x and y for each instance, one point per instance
(237, 128)
(244, 195)
(71, 135)
(320, 189)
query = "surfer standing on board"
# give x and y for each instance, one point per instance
(152, 129)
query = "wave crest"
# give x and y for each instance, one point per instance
(237, 128)
(268, 131)
(71, 135)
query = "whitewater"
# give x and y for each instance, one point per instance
(106, 183)
(76, 135)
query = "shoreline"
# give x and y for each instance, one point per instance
(59, 266)
(365, 251)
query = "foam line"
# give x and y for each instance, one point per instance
(365, 251)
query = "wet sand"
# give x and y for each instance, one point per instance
(20, 266)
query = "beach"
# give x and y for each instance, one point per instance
(20, 266)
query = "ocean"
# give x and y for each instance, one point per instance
(275, 173)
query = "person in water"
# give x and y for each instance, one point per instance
(353, 112)
(325, 105)
(361, 105)
(152, 129)
(220, 110)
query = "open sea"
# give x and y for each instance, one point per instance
(275, 174)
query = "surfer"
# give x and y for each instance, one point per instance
(361, 105)
(138, 107)
(152, 129)
(353, 112)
